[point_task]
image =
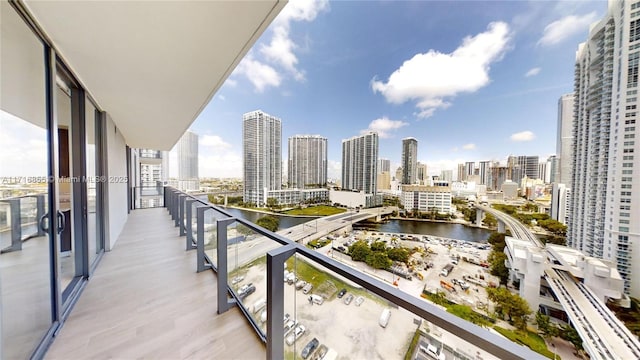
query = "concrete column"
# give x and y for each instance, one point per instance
(501, 227)
(479, 216)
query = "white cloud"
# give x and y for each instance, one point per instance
(260, 74)
(220, 164)
(533, 72)
(469, 146)
(281, 48)
(566, 27)
(433, 78)
(213, 141)
(523, 136)
(383, 126)
(222, 97)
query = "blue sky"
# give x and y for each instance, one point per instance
(471, 80)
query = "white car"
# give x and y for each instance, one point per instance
(295, 335)
(289, 325)
(359, 300)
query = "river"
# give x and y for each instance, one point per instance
(446, 230)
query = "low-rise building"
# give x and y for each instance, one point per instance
(354, 199)
(297, 196)
(426, 198)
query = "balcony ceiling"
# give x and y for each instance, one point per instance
(153, 65)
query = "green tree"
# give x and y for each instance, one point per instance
(497, 267)
(546, 328)
(398, 254)
(269, 222)
(379, 246)
(272, 203)
(496, 240)
(359, 251)
(490, 220)
(510, 305)
(378, 260)
(570, 334)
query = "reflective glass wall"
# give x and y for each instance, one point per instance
(25, 265)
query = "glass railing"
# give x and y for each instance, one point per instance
(145, 197)
(304, 304)
(19, 218)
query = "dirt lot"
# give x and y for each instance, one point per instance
(353, 331)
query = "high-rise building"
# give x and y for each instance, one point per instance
(446, 175)
(543, 170)
(564, 138)
(522, 166)
(469, 170)
(560, 196)
(605, 201)
(421, 173)
(552, 170)
(187, 151)
(461, 176)
(409, 160)
(359, 163)
(307, 166)
(484, 171)
(499, 174)
(384, 165)
(399, 174)
(262, 147)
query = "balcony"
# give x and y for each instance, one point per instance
(146, 300)
(161, 294)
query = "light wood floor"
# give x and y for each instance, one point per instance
(146, 301)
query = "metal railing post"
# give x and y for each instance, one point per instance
(201, 266)
(16, 226)
(224, 303)
(275, 300)
(181, 200)
(189, 224)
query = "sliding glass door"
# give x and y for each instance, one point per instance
(50, 206)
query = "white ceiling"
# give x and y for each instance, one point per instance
(153, 65)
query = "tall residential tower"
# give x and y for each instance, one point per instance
(605, 191)
(188, 162)
(307, 166)
(262, 147)
(409, 160)
(359, 163)
(564, 139)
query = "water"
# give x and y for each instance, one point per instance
(446, 230)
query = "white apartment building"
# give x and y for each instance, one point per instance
(307, 166)
(359, 163)
(564, 139)
(560, 201)
(297, 196)
(605, 202)
(262, 146)
(426, 198)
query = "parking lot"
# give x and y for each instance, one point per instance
(353, 332)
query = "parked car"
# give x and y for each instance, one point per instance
(236, 280)
(341, 293)
(300, 284)
(320, 353)
(246, 290)
(359, 300)
(348, 299)
(295, 335)
(310, 347)
(307, 288)
(289, 325)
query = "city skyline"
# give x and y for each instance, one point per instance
(316, 82)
